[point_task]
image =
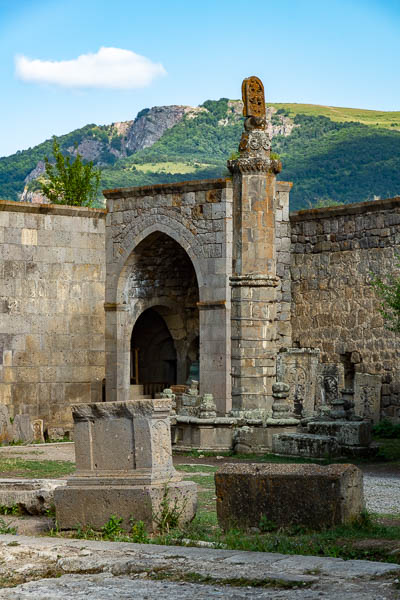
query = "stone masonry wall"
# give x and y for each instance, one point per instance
(334, 307)
(52, 271)
(283, 247)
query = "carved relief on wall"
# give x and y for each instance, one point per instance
(297, 368)
(367, 396)
(330, 380)
(161, 443)
(296, 379)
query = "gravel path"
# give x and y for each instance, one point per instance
(382, 494)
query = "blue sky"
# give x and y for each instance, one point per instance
(338, 52)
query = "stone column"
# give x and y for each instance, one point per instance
(117, 353)
(215, 353)
(254, 281)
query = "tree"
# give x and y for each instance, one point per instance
(390, 297)
(70, 181)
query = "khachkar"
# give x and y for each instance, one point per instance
(254, 282)
(123, 467)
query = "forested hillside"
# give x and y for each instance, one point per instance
(329, 159)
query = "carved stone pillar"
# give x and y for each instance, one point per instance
(254, 282)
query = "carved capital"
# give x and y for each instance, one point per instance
(254, 165)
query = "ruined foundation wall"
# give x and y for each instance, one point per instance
(52, 271)
(334, 307)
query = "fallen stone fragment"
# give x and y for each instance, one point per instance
(31, 496)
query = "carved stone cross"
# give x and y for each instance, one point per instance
(253, 98)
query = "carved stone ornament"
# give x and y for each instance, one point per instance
(255, 143)
(253, 98)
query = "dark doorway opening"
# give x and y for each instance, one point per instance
(153, 354)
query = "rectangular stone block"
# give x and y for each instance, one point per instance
(347, 433)
(313, 496)
(305, 445)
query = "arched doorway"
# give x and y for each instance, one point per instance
(161, 320)
(153, 353)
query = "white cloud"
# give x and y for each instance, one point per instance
(108, 68)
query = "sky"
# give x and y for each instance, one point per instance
(67, 63)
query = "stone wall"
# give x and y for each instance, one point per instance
(334, 307)
(51, 309)
(283, 258)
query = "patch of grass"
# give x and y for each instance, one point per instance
(389, 449)
(10, 510)
(7, 529)
(196, 468)
(41, 469)
(170, 512)
(202, 453)
(202, 480)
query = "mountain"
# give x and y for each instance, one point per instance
(331, 154)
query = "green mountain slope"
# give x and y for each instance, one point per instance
(376, 118)
(15, 168)
(328, 155)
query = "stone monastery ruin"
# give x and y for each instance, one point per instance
(210, 282)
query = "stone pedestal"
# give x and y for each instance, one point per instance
(123, 466)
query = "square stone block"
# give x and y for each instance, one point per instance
(313, 496)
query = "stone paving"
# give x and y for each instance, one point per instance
(104, 570)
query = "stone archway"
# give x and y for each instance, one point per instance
(159, 293)
(196, 216)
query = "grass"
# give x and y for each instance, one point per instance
(375, 118)
(40, 469)
(196, 468)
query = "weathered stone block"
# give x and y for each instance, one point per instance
(32, 496)
(347, 433)
(93, 505)
(23, 430)
(306, 445)
(313, 496)
(6, 428)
